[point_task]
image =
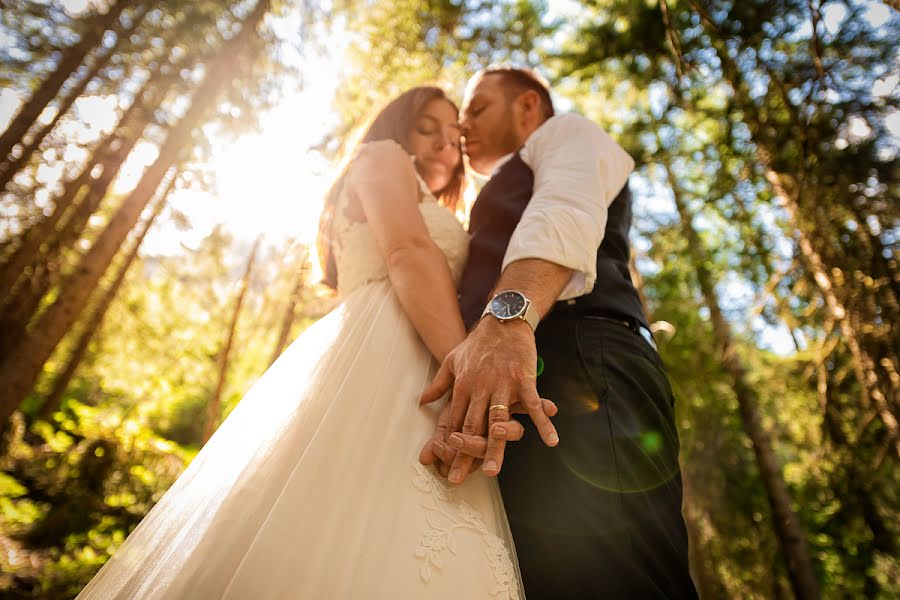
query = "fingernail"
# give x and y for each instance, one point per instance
(498, 430)
(455, 476)
(490, 465)
(455, 441)
(554, 439)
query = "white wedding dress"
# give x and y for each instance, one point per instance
(311, 488)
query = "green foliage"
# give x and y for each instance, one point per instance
(72, 490)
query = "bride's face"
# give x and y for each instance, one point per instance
(434, 141)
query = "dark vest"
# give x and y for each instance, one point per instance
(494, 217)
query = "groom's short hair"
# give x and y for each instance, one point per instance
(518, 80)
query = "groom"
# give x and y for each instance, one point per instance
(553, 313)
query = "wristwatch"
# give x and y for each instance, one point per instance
(511, 304)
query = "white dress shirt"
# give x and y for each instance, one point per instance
(578, 171)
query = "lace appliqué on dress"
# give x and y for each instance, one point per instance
(446, 515)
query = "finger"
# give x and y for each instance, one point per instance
(511, 431)
(442, 381)
(444, 452)
(430, 451)
(444, 426)
(476, 413)
(428, 456)
(473, 445)
(529, 397)
(493, 456)
(436, 451)
(550, 408)
(474, 424)
(476, 445)
(460, 469)
(456, 411)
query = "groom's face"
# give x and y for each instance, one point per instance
(487, 123)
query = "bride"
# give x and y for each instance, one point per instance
(312, 488)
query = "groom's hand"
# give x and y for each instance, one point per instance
(495, 365)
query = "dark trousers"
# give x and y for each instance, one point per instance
(599, 516)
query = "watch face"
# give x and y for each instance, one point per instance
(507, 305)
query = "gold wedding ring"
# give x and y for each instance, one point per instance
(499, 407)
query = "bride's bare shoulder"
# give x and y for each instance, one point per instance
(375, 161)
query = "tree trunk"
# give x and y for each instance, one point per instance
(289, 313)
(95, 318)
(21, 367)
(42, 271)
(788, 529)
(214, 408)
(108, 154)
(26, 302)
(857, 477)
(71, 59)
(786, 188)
(709, 585)
(41, 232)
(9, 168)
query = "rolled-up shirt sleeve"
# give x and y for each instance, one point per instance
(578, 171)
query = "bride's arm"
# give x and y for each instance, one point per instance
(385, 184)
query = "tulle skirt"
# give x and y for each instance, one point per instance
(311, 488)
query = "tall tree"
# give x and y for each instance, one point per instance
(93, 28)
(788, 182)
(109, 153)
(290, 309)
(214, 408)
(788, 528)
(31, 268)
(10, 167)
(21, 367)
(95, 317)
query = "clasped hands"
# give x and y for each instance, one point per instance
(495, 365)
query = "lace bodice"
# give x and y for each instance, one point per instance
(358, 258)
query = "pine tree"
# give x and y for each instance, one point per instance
(21, 367)
(92, 30)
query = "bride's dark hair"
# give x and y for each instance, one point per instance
(393, 122)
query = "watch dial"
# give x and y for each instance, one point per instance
(508, 305)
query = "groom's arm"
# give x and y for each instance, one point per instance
(496, 364)
(578, 172)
